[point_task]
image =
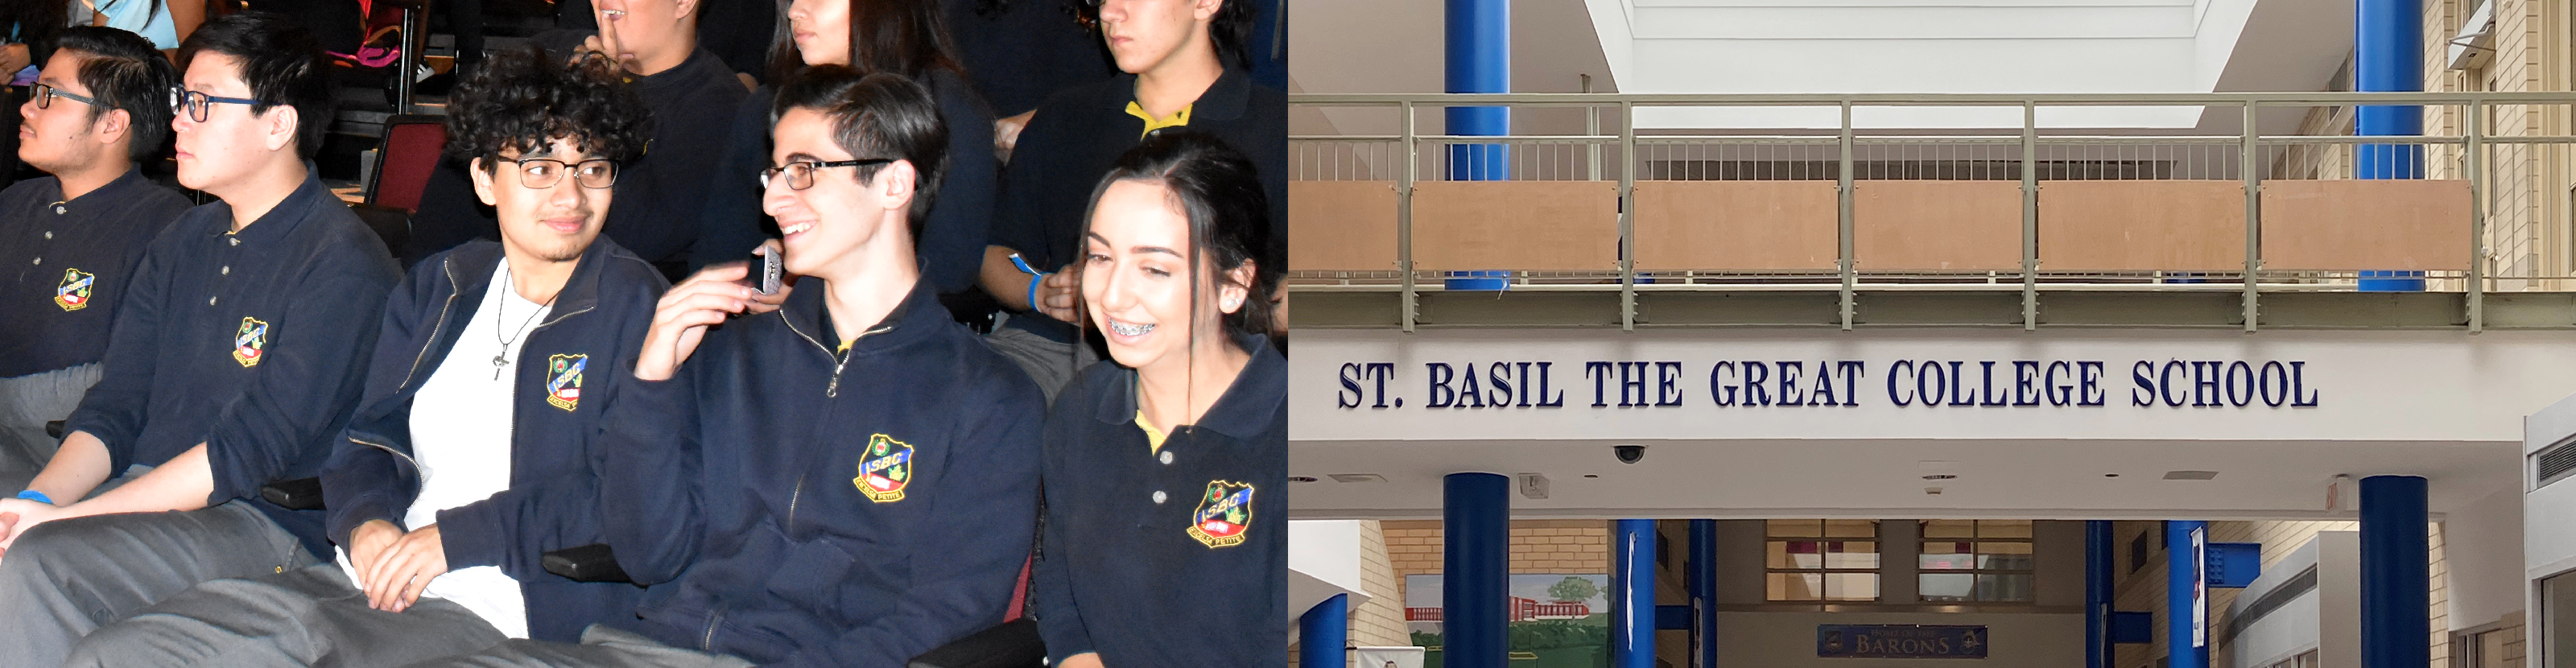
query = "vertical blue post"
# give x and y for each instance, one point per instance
(1703, 592)
(1479, 34)
(1324, 633)
(2097, 594)
(1475, 573)
(1632, 594)
(2388, 56)
(2186, 594)
(2395, 582)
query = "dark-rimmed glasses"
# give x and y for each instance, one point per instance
(800, 174)
(194, 104)
(546, 172)
(45, 95)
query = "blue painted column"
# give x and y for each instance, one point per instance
(2097, 594)
(1632, 594)
(2395, 582)
(1475, 570)
(2187, 594)
(2388, 56)
(1324, 633)
(1703, 592)
(1479, 34)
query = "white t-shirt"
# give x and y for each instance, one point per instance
(460, 434)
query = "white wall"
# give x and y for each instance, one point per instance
(2482, 551)
(1788, 639)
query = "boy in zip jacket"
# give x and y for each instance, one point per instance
(848, 480)
(470, 453)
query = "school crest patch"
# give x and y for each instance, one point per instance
(1224, 514)
(73, 294)
(885, 469)
(563, 380)
(250, 342)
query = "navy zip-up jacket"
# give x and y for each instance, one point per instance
(597, 327)
(794, 506)
(252, 342)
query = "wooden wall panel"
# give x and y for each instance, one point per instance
(1522, 225)
(1736, 225)
(2409, 224)
(1341, 225)
(1936, 225)
(2141, 225)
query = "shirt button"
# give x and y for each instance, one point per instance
(60, 210)
(40, 260)
(236, 240)
(49, 234)
(210, 301)
(1167, 457)
(228, 270)
(1159, 496)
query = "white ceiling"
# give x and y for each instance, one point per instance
(1839, 46)
(1883, 479)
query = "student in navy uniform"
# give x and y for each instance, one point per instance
(70, 240)
(1180, 57)
(692, 94)
(906, 37)
(1166, 468)
(235, 360)
(847, 480)
(470, 456)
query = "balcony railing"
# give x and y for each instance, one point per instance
(1849, 209)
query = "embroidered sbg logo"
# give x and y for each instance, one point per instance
(563, 380)
(885, 469)
(251, 342)
(1223, 515)
(73, 294)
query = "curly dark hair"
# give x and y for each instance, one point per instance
(518, 101)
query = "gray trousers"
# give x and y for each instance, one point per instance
(601, 647)
(1049, 363)
(66, 578)
(312, 616)
(26, 404)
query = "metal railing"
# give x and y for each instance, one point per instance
(2519, 179)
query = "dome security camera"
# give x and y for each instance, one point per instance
(1628, 454)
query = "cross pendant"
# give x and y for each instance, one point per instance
(499, 361)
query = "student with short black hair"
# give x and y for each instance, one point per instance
(72, 239)
(1181, 59)
(234, 362)
(1167, 467)
(905, 37)
(847, 480)
(470, 454)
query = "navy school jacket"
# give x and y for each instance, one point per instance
(564, 371)
(793, 505)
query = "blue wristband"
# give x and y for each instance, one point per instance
(1039, 278)
(36, 496)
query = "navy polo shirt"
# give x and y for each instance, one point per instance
(64, 265)
(1080, 133)
(1175, 556)
(252, 342)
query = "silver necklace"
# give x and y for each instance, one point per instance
(502, 359)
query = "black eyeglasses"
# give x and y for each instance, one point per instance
(45, 97)
(195, 103)
(545, 172)
(800, 174)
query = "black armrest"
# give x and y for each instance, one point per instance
(297, 494)
(588, 563)
(54, 429)
(1014, 644)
